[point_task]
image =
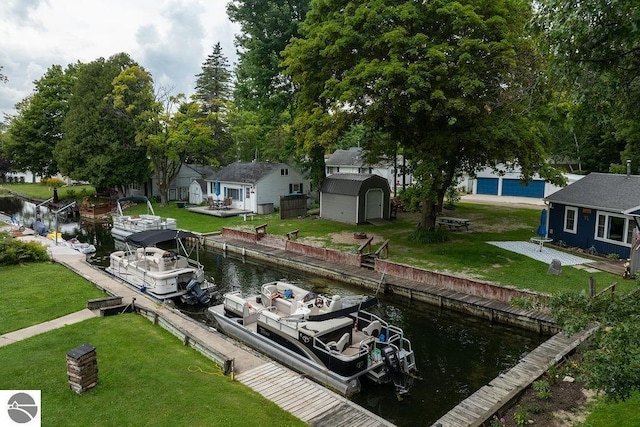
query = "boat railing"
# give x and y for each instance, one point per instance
(392, 334)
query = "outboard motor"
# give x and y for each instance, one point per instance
(202, 296)
(392, 362)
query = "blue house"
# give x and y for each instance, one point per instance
(599, 212)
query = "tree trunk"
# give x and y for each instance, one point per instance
(428, 213)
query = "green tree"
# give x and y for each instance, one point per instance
(213, 93)
(36, 129)
(99, 143)
(611, 362)
(170, 132)
(595, 49)
(456, 84)
(3, 78)
(261, 88)
(213, 83)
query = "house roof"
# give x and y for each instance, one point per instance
(351, 157)
(249, 173)
(203, 170)
(348, 183)
(605, 191)
(354, 156)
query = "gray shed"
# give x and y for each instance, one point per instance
(355, 198)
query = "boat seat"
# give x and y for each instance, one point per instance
(341, 344)
(335, 304)
(373, 329)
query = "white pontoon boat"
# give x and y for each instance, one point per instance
(163, 274)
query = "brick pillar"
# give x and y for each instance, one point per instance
(82, 368)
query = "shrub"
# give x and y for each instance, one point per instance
(429, 236)
(52, 182)
(521, 416)
(14, 251)
(613, 256)
(542, 389)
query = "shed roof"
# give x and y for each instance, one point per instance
(605, 191)
(249, 173)
(349, 183)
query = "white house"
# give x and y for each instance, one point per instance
(353, 161)
(256, 186)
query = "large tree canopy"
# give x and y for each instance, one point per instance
(263, 94)
(595, 46)
(456, 84)
(37, 127)
(99, 144)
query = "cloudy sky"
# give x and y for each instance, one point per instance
(169, 38)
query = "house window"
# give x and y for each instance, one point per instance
(234, 193)
(295, 188)
(570, 223)
(247, 193)
(613, 228)
(284, 172)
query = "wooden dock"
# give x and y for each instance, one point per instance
(484, 403)
(311, 402)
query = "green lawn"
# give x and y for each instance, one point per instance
(44, 192)
(466, 253)
(37, 292)
(621, 414)
(146, 378)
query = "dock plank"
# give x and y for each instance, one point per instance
(306, 399)
(482, 405)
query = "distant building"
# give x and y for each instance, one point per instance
(353, 161)
(489, 182)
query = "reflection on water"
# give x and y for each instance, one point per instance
(455, 354)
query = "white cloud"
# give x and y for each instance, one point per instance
(169, 38)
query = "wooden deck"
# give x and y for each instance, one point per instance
(480, 406)
(311, 402)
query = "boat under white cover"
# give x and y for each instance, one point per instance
(332, 340)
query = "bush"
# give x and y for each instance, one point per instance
(52, 182)
(429, 236)
(542, 389)
(14, 251)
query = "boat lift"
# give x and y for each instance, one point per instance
(64, 208)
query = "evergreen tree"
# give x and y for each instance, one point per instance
(213, 84)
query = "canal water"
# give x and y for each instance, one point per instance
(456, 354)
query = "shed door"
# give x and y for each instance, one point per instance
(373, 202)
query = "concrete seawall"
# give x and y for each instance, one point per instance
(482, 299)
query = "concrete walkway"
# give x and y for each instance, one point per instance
(40, 328)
